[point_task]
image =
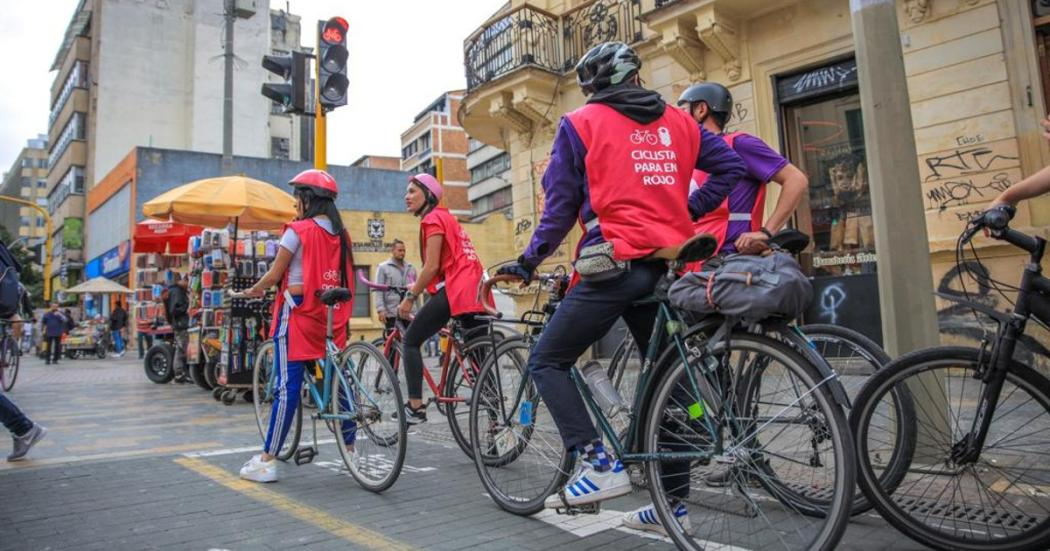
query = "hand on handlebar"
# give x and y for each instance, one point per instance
(520, 269)
(995, 219)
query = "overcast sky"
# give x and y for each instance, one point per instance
(403, 54)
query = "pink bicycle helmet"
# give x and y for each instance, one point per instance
(428, 183)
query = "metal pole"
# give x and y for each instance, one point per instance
(227, 100)
(47, 240)
(320, 123)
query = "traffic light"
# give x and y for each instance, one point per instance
(331, 63)
(292, 93)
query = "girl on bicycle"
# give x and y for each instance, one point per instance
(314, 256)
(451, 275)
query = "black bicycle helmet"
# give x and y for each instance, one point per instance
(716, 96)
(606, 64)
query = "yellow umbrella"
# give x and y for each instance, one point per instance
(216, 202)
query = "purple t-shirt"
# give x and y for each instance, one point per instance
(762, 164)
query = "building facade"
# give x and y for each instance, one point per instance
(132, 73)
(436, 140)
(26, 180)
(973, 77)
(490, 189)
(378, 161)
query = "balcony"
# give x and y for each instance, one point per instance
(601, 21)
(523, 37)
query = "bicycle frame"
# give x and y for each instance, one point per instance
(438, 388)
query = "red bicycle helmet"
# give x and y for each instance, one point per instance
(319, 181)
(428, 183)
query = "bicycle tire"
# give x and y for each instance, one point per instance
(377, 460)
(263, 400)
(835, 343)
(457, 385)
(897, 505)
(11, 360)
(824, 532)
(503, 444)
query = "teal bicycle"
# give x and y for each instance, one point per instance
(370, 438)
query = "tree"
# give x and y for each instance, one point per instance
(30, 276)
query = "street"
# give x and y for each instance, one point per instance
(128, 464)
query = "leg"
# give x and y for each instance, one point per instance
(52, 349)
(179, 359)
(288, 381)
(428, 321)
(13, 418)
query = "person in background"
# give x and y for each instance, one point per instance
(177, 311)
(118, 320)
(24, 433)
(395, 272)
(54, 326)
(71, 323)
(145, 338)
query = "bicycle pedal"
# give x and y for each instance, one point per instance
(584, 509)
(305, 455)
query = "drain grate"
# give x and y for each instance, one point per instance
(1010, 521)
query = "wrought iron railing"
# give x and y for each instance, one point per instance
(522, 37)
(662, 3)
(599, 21)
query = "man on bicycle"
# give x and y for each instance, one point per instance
(620, 166)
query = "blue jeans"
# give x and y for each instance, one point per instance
(13, 418)
(587, 314)
(118, 341)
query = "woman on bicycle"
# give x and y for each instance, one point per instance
(314, 256)
(451, 275)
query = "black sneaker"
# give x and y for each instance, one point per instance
(413, 416)
(724, 476)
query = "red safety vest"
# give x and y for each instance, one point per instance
(460, 272)
(638, 177)
(717, 221)
(306, 323)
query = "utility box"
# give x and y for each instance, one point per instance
(244, 9)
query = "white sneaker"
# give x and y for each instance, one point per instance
(645, 518)
(589, 486)
(257, 470)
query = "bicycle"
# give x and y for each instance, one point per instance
(979, 470)
(345, 404)
(460, 363)
(699, 400)
(10, 356)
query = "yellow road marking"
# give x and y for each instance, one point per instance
(346, 530)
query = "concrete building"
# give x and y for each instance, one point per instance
(436, 134)
(378, 161)
(490, 189)
(26, 179)
(291, 136)
(371, 200)
(973, 76)
(134, 73)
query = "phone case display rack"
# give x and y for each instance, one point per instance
(153, 273)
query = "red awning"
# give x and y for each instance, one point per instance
(156, 236)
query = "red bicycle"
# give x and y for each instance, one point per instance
(460, 363)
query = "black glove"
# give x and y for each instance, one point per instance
(521, 269)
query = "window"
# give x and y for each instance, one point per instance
(23, 221)
(280, 148)
(362, 296)
(41, 183)
(490, 168)
(40, 223)
(27, 162)
(74, 130)
(41, 162)
(77, 79)
(409, 150)
(427, 166)
(493, 201)
(474, 145)
(71, 182)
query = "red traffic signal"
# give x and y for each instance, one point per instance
(331, 62)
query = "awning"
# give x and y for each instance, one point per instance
(98, 285)
(157, 236)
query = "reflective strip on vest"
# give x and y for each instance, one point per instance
(740, 217)
(592, 224)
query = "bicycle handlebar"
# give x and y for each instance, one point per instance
(486, 288)
(997, 222)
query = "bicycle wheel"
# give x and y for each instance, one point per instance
(625, 368)
(802, 434)
(263, 395)
(459, 385)
(855, 358)
(363, 404)
(518, 452)
(1000, 501)
(9, 363)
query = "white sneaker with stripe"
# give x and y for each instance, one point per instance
(589, 486)
(645, 518)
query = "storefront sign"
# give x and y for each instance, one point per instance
(836, 77)
(112, 263)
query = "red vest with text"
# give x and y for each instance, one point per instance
(638, 176)
(716, 222)
(306, 324)
(460, 272)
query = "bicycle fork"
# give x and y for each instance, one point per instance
(968, 450)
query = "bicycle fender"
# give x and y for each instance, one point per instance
(801, 343)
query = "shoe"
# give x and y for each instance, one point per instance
(721, 478)
(22, 444)
(645, 518)
(589, 486)
(257, 470)
(413, 416)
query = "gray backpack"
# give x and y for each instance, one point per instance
(749, 287)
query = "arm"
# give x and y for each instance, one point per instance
(563, 183)
(1032, 186)
(793, 183)
(431, 265)
(380, 296)
(724, 168)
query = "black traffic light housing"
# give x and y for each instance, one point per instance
(331, 63)
(294, 69)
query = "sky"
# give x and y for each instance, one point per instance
(403, 55)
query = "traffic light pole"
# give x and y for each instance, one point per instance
(227, 93)
(47, 240)
(320, 123)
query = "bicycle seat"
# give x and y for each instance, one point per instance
(335, 296)
(790, 240)
(698, 247)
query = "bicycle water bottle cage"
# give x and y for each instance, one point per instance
(305, 455)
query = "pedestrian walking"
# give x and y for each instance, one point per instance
(24, 432)
(54, 326)
(118, 320)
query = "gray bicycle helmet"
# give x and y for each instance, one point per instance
(605, 65)
(716, 96)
